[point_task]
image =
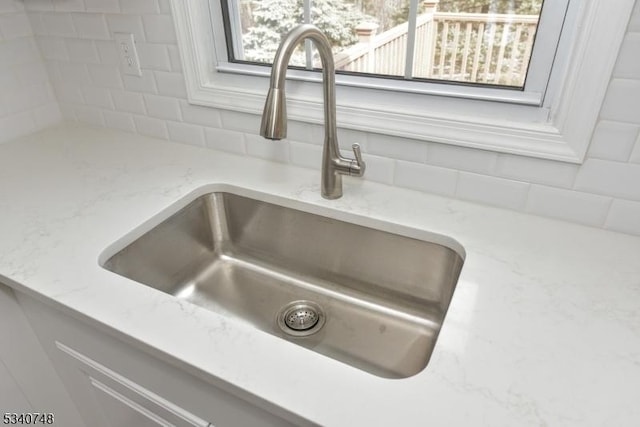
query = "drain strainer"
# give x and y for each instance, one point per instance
(301, 318)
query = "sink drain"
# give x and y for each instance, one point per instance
(301, 318)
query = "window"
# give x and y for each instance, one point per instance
(545, 107)
(486, 42)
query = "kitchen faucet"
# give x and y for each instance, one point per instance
(274, 116)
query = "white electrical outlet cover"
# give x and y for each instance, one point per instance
(129, 61)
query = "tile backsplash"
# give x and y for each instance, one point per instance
(75, 38)
(27, 102)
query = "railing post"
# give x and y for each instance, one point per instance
(366, 31)
(429, 7)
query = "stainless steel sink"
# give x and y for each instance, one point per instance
(366, 297)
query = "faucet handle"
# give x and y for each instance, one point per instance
(358, 165)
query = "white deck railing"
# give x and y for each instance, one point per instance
(472, 47)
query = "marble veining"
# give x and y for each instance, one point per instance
(543, 328)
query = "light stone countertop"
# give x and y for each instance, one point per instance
(543, 328)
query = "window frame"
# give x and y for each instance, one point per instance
(558, 129)
(531, 93)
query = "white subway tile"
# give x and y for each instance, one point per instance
(59, 24)
(462, 158)
(154, 56)
(97, 97)
(348, 137)
(91, 26)
(302, 132)
(242, 122)
(89, 115)
(306, 155)
(634, 22)
(628, 64)
(129, 102)
(127, 24)
(27, 97)
(378, 169)
(205, 116)
(49, 89)
(47, 115)
(583, 208)
(23, 99)
(635, 154)
(165, 6)
(174, 57)
(624, 216)
(159, 28)
(151, 127)
(5, 107)
(8, 79)
(489, 190)
(430, 179)
(104, 6)
(139, 6)
(7, 6)
(19, 51)
(609, 178)
(16, 125)
(11, 102)
(82, 51)
(32, 50)
(397, 148)
(118, 120)
(68, 111)
(163, 107)
(622, 101)
(68, 92)
(171, 84)
(38, 5)
(277, 151)
(107, 52)
(68, 5)
(539, 171)
(37, 24)
(225, 140)
(105, 76)
(15, 25)
(74, 72)
(52, 71)
(145, 83)
(186, 133)
(34, 72)
(613, 140)
(53, 48)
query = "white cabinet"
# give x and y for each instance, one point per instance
(28, 381)
(120, 384)
(12, 398)
(116, 401)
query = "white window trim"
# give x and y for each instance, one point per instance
(559, 130)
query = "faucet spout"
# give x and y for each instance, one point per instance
(274, 116)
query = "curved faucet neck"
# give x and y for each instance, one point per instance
(279, 71)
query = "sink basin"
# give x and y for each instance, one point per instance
(366, 297)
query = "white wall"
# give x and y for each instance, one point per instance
(27, 102)
(75, 38)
